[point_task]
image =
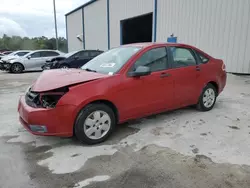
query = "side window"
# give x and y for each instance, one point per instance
(155, 59)
(49, 54)
(182, 57)
(84, 54)
(21, 53)
(202, 58)
(93, 53)
(76, 55)
(35, 55)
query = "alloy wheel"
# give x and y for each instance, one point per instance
(16, 68)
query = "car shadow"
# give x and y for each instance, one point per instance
(128, 128)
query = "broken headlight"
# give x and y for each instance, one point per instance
(50, 99)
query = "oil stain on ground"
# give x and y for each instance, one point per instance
(234, 127)
(152, 166)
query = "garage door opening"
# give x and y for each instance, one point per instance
(138, 29)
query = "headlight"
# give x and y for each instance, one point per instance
(50, 99)
(27, 90)
(44, 99)
(7, 65)
(12, 61)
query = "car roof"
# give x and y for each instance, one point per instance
(23, 51)
(45, 50)
(148, 44)
(156, 44)
(89, 50)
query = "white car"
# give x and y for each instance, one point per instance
(32, 61)
(14, 55)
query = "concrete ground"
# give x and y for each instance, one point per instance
(180, 149)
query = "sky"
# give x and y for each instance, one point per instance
(33, 18)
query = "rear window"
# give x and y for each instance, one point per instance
(203, 59)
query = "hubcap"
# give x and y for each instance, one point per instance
(97, 125)
(16, 68)
(208, 98)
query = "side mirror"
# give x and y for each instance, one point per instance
(140, 71)
(29, 57)
(76, 57)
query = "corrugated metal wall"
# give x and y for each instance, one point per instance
(95, 25)
(123, 9)
(219, 27)
(74, 28)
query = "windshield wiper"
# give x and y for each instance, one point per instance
(89, 70)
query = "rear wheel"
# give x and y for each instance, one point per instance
(16, 68)
(94, 123)
(207, 98)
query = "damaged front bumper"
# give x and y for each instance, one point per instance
(5, 66)
(57, 121)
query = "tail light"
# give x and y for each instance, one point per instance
(223, 67)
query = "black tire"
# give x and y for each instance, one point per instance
(16, 68)
(83, 115)
(63, 66)
(201, 106)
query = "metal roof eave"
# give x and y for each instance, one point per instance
(80, 7)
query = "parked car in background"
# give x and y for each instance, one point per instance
(4, 62)
(74, 59)
(1, 55)
(124, 83)
(4, 53)
(15, 55)
(31, 61)
(7, 52)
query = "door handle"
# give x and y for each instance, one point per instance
(163, 75)
(198, 68)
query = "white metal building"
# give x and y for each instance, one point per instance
(219, 27)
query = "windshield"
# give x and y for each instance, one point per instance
(70, 54)
(12, 54)
(111, 62)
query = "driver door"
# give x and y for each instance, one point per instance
(151, 93)
(33, 60)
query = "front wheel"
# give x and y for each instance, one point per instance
(16, 68)
(207, 98)
(94, 123)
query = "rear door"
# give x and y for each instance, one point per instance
(184, 70)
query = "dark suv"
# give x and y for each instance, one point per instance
(74, 59)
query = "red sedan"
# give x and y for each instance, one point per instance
(124, 83)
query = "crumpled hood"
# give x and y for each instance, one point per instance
(17, 59)
(9, 57)
(54, 79)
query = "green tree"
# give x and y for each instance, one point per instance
(25, 43)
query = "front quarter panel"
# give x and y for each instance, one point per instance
(82, 94)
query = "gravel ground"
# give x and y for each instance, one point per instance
(180, 149)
